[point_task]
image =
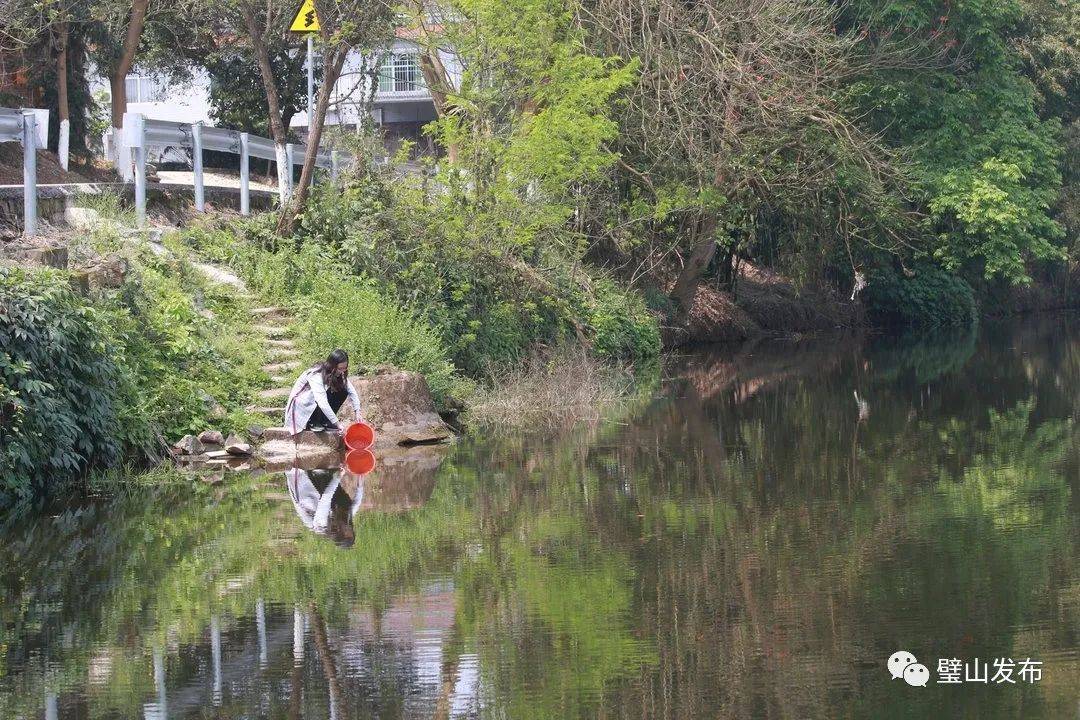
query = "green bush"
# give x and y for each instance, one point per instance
(492, 298)
(929, 297)
(61, 390)
(622, 326)
(187, 363)
(86, 382)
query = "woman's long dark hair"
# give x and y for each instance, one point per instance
(330, 377)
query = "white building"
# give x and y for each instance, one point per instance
(402, 104)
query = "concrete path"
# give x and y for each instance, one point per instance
(210, 179)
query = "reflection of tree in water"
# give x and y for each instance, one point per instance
(772, 556)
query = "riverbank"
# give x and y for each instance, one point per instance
(205, 327)
(176, 332)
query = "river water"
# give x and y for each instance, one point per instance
(754, 538)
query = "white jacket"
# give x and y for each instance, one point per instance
(313, 507)
(308, 393)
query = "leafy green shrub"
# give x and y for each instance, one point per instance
(86, 382)
(622, 326)
(61, 389)
(929, 297)
(492, 296)
(187, 363)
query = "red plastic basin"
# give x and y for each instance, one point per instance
(359, 436)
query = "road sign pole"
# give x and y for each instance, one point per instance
(310, 79)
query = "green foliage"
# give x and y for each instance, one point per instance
(986, 166)
(87, 381)
(489, 304)
(623, 328)
(238, 98)
(930, 296)
(60, 385)
(187, 363)
(333, 308)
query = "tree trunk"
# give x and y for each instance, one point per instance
(278, 130)
(685, 289)
(437, 80)
(333, 62)
(63, 141)
(118, 86)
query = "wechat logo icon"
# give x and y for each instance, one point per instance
(903, 664)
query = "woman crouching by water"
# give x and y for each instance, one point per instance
(319, 393)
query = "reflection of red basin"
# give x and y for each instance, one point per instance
(359, 436)
(360, 462)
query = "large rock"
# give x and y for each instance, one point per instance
(108, 273)
(189, 445)
(398, 404)
(236, 446)
(211, 437)
(308, 449)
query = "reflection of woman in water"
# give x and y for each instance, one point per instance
(323, 505)
(319, 393)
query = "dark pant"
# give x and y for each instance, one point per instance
(336, 400)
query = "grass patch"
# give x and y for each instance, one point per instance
(550, 392)
(332, 307)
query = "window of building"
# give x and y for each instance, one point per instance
(143, 89)
(400, 73)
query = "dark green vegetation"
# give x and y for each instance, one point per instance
(104, 375)
(653, 567)
(667, 145)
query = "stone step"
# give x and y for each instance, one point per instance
(326, 438)
(269, 311)
(278, 392)
(266, 410)
(272, 330)
(280, 343)
(282, 367)
(279, 379)
(285, 356)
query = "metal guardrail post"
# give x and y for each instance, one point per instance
(29, 141)
(63, 143)
(196, 156)
(245, 162)
(290, 155)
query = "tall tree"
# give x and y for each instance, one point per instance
(344, 26)
(734, 115)
(256, 33)
(128, 19)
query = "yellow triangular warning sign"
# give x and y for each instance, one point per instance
(305, 19)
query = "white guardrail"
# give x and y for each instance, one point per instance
(29, 127)
(26, 127)
(142, 133)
